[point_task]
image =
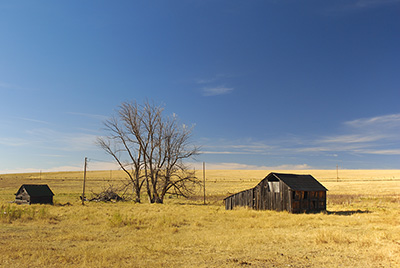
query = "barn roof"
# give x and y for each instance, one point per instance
(298, 182)
(36, 189)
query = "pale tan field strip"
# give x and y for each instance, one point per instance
(360, 229)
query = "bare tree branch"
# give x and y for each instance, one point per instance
(154, 147)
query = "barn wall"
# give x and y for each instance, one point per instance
(308, 201)
(241, 199)
(282, 198)
(261, 197)
(276, 198)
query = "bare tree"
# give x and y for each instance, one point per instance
(150, 148)
(125, 151)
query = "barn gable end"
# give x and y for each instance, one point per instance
(279, 191)
(34, 194)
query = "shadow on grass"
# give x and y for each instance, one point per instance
(348, 212)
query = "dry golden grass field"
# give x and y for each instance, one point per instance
(360, 229)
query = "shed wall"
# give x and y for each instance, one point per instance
(23, 198)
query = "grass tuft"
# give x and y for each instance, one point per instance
(11, 213)
(332, 236)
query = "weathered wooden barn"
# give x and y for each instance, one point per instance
(278, 191)
(34, 194)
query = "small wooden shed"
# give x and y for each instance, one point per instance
(278, 191)
(34, 194)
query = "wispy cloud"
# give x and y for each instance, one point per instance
(237, 147)
(205, 81)
(215, 86)
(381, 152)
(241, 166)
(13, 142)
(374, 129)
(49, 139)
(374, 135)
(222, 152)
(91, 116)
(32, 120)
(77, 167)
(214, 91)
(214, 79)
(92, 165)
(354, 138)
(385, 121)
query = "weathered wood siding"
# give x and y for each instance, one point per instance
(23, 197)
(268, 198)
(281, 198)
(303, 201)
(241, 199)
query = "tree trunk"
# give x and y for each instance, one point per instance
(137, 189)
(157, 200)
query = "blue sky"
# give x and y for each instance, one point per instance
(267, 84)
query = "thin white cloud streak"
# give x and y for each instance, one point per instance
(375, 135)
(13, 142)
(73, 142)
(225, 152)
(237, 147)
(356, 138)
(215, 86)
(252, 147)
(52, 155)
(205, 81)
(50, 139)
(36, 170)
(215, 91)
(32, 120)
(240, 166)
(216, 79)
(380, 152)
(93, 165)
(386, 121)
(369, 136)
(235, 153)
(91, 116)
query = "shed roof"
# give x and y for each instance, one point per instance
(36, 189)
(298, 182)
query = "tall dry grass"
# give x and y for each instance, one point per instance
(361, 228)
